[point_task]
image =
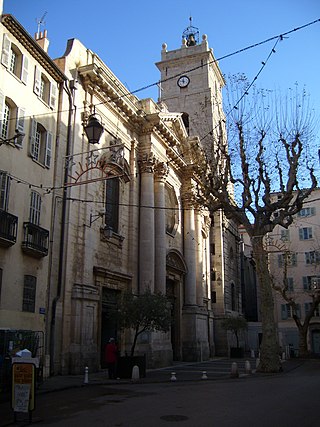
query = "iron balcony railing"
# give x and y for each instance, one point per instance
(35, 240)
(8, 228)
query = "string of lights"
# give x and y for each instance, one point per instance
(281, 37)
(264, 63)
(235, 106)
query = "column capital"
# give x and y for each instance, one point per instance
(147, 162)
(161, 170)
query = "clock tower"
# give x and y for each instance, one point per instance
(191, 83)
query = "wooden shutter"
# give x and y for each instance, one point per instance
(6, 47)
(37, 81)
(2, 100)
(48, 154)
(53, 95)
(33, 129)
(24, 69)
(21, 112)
(284, 312)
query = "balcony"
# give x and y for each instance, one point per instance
(35, 240)
(8, 228)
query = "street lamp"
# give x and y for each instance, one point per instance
(93, 129)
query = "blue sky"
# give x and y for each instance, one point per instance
(128, 36)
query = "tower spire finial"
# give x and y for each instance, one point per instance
(191, 34)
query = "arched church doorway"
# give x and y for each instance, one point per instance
(176, 269)
(108, 322)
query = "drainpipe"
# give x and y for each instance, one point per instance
(63, 229)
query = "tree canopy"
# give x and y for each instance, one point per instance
(144, 312)
(262, 147)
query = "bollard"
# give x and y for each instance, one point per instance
(86, 375)
(135, 373)
(247, 367)
(173, 376)
(253, 354)
(204, 375)
(234, 370)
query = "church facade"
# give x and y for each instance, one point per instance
(123, 213)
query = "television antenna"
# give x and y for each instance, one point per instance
(41, 21)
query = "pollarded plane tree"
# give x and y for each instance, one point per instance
(293, 298)
(269, 149)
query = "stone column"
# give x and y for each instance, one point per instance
(190, 252)
(161, 172)
(199, 256)
(146, 240)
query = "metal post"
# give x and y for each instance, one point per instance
(86, 375)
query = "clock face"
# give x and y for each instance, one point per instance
(183, 81)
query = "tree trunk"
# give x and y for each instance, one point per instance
(134, 342)
(303, 333)
(269, 351)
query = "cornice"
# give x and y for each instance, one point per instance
(99, 80)
(32, 47)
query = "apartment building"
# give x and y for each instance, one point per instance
(295, 259)
(29, 90)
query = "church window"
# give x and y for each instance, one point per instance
(185, 119)
(112, 204)
(172, 210)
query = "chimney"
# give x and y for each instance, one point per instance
(41, 39)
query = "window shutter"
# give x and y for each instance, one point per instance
(290, 283)
(53, 95)
(21, 112)
(48, 150)
(35, 208)
(24, 71)
(33, 129)
(298, 310)
(4, 190)
(294, 259)
(313, 210)
(37, 81)
(301, 233)
(307, 307)
(2, 100)
(6, 47)
(305, 283)
(284, 312)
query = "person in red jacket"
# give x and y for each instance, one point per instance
(111, 353)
